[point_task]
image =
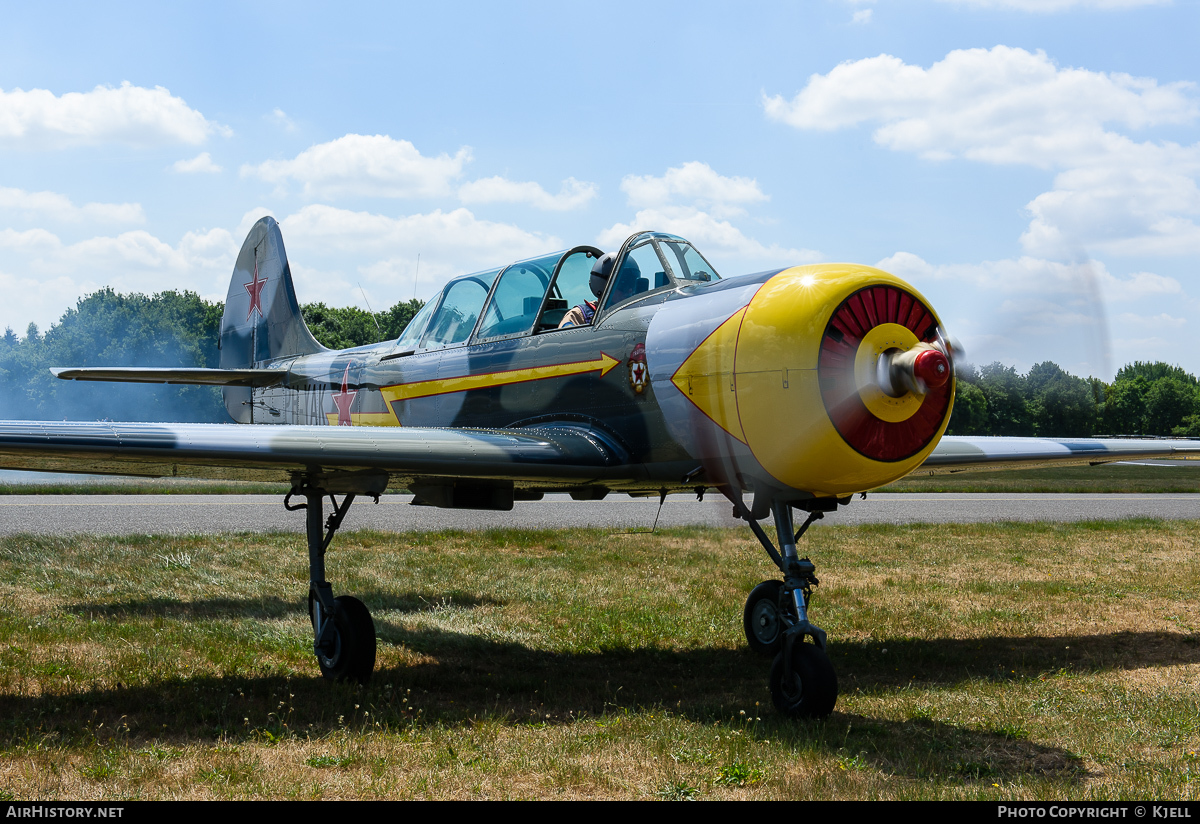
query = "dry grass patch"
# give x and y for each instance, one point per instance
(992, 661)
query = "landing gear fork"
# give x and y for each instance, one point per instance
(803, 682)
(343, 632)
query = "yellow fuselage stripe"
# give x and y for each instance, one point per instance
(365, 419)
(442, 386)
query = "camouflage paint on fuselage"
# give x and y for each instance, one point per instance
(596, 388)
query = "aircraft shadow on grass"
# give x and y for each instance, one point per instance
(459, 677)
(267, 607)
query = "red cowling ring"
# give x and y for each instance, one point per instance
(932, 368)
(868, 435)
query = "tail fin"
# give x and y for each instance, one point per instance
(262, 320)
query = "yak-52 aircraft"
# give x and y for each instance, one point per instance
(640, 371)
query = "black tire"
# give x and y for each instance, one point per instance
(761, 620)
(813, 691)
(353, 655)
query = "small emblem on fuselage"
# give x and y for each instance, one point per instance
(638, 372)
(344, 399)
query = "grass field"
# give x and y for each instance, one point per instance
(1183, 477)
(107, 485)
(1010, 661)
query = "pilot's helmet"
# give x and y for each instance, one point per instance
(630, 271)
(601, 270)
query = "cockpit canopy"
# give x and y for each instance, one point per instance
(533, 296)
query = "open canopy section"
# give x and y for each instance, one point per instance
(532, 296)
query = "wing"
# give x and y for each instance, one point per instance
(959, 454)
(562, 454)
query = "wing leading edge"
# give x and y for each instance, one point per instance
(199, 376)
(959, 453)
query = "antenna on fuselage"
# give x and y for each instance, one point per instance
(371, 311)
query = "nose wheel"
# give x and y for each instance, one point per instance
(763, 618)
(806, 685)
(802, 680)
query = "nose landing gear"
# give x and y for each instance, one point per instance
(802, 680)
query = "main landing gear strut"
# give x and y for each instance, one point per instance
(343, 632)
(803, 683)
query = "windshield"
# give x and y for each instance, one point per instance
(459, 309)
(686, 262)
(412, 333)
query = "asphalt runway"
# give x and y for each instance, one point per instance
(184, 514)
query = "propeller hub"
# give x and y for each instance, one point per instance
(932, 368)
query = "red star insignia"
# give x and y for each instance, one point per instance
(343, 400)
(255, 288)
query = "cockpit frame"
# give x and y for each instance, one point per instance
(414, 338)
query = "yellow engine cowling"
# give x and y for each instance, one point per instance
(791, 376)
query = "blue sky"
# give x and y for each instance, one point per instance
(1030, 166)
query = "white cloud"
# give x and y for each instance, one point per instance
(718, 240)
(696, 184)
(41, 300)
(1000, 105)
(1129, 320)
(44, 276)
(862, 16)
(1010, 106)
(59, 207)
(693, 201)
(279, 118)
(130, 261)
(200, 164)
(457, 234)
(126, 114)
(250, 218)
(1018, 310)
(1048, 6)
(573, 194)
(370, 165)
(30, 241)
(1035, 276)
(331, 251)
(1140, 198)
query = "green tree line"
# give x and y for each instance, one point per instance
(166, 329)
(1144, 399)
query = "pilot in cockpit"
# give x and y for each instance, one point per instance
(626, 285)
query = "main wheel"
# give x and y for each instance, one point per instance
(810, 689)
(761, 619)
(352, 653)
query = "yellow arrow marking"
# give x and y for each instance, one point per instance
(442, 386)
(706, 377)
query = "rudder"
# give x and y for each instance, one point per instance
(262, 320)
